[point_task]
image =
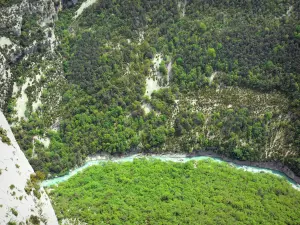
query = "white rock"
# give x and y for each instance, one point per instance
(16, 170)
(83, 6)
(22, 101)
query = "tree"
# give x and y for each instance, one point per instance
(202, 27)
(211, 52)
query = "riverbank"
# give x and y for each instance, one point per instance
(255, 167)
(277, 166)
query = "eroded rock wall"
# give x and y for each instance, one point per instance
(18, 40)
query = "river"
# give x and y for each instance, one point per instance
(175, 158)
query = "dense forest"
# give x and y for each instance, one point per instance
(155, 192)
(216, 49)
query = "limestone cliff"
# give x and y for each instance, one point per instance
(26, 29)
(20, 199)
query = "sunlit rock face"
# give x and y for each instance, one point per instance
(21, 200)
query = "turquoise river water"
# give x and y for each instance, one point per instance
(174, 158)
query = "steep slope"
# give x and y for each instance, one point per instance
(30, 69)
(175, 76)
(20, 199)
(26, 38)
(159, 76)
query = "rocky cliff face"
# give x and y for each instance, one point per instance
(26, 32)
(21, 198)
(26, 27)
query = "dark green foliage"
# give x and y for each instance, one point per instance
(34, 220)
(251, 44)
(175, 193)
(30, 30)
(239, 124)
(162, 100)
(186, 121)
(34, 184)
(7, 3)
(3, 136)
(14, 212)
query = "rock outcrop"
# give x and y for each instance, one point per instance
(26, 27)
(21, 199)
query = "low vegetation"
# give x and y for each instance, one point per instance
(33, 184)
(7, 3)
(14, 212)
(3, 136)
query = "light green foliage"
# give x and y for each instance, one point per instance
(211, 52)
(12, 223)
(208, 69)
(175, 193)
(202, 26)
